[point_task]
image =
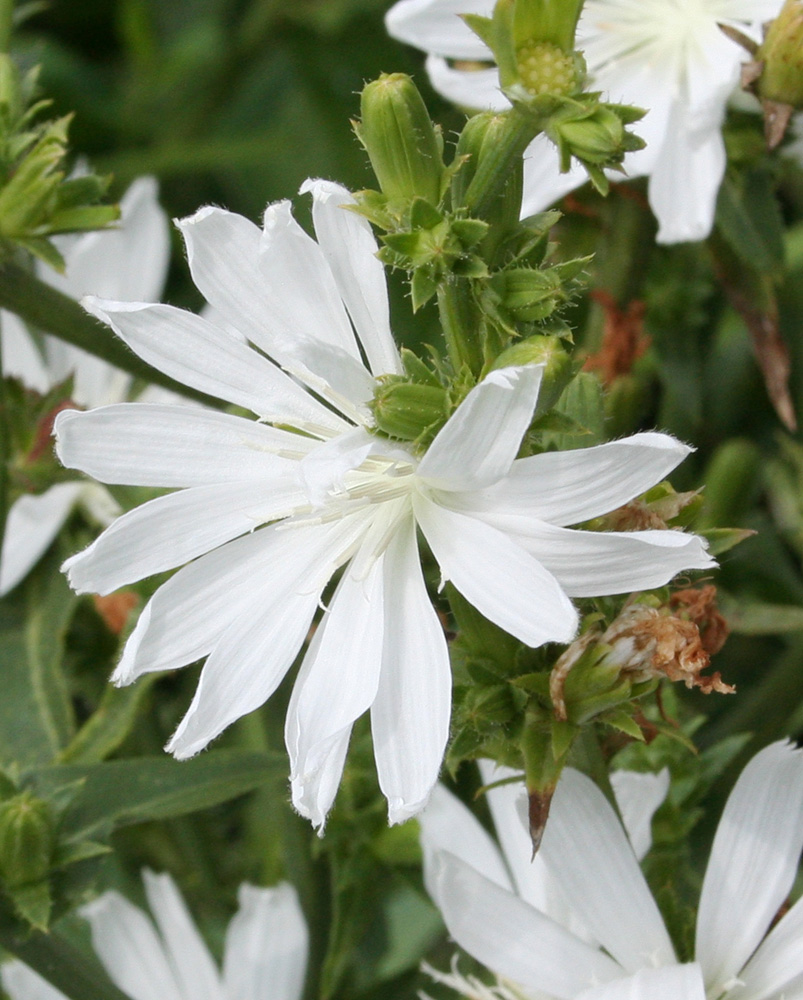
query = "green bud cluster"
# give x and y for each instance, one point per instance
(407, 410)
(36, 199)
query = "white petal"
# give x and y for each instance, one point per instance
(448, 825)
(594, 563)
(468, 88)
(186, 616)
(33, 522)
(339, 677)
(638, 796)
(245, 667)
(130, 949)
(350, 250)
(497, 576)
(477, 445)
(188, 955)
(511, 938)
(753, 861)
(592, 861)
(508, 805)
(436, 26)
(410, 714)
(171, 530)
(204, 357)
(322, 470)
(128, 262)
(276, 288)
(314, 793)
(685, 182)
(141, 444)
(22, 983)
(676, 982)
(566, 487)
(777, 963)
(266, 946)
(544, 184)
(21, 357)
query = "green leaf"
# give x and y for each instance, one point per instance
(749, 218)
(764, 619)
(109, 725)
(35, 712)
(121, 792)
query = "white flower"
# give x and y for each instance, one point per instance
(668, 56)
(337, 496)
(265, 953)
(129, 262)
(622, 950)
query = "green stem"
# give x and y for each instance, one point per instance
(44, 307)
(77, 975)
(6, 24)
(495, 168)
(5, 450)
(460, 321)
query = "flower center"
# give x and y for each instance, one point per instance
(546, 69)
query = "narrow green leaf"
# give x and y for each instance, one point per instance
(109, 725)
(35, 711)
(121, 792)
(765, 619)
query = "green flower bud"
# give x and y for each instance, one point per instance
(27, 839)
(541, 350)
(597, 138)
(480, 141)
(408, 410)
(403, 145)
(782, 55)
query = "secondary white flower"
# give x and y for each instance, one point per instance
(668, 56)
(334, 495)
(617, 947)
(126, 263)
(265, 953)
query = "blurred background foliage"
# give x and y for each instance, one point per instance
(236, 102)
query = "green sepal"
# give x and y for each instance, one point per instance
(423, 287)
(33, 902)
(724, 539)
(624, 722)
(70, 853)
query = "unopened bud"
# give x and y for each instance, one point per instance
(541, 350)
(598, 138)
(781, 53)
(27, 839)
(403, 145)
(406, 410)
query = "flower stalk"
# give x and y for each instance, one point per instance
(48, 309)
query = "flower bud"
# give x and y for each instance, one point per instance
(597, 138)
(407, 410)
(27, 839)
(403, 145)
(781, 53)
(541, 350)
(482, 137)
